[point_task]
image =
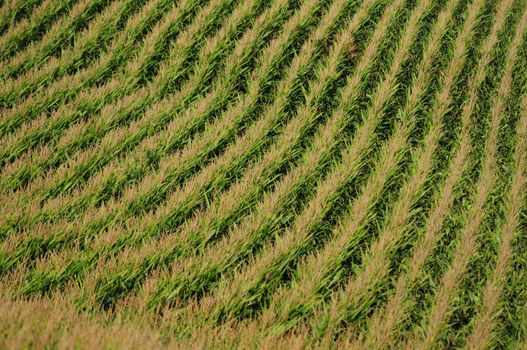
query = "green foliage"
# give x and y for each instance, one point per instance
(187, 164)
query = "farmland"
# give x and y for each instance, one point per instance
(263, 174)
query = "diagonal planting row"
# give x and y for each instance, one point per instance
(131, 109)
(49, 156)
(120, 115)
(76, 58)
(12, 31)
(32, 28)
(248, 291)
(314, 172)
(211, 136)
(355, 300)
(240, 198)
(509, 328)
(384, 321)
(382, 328)
(108, 126)
(97, 76)
(147, 50)
(452, 221)
(234, 70)
(198, 274)
(14, 11)
(60, 35)
(273, 57)
(92, 41)
(245, 246)
(166, 109)
(485, 321)
(467, 244)
(314, 285)
(46, 128)
(463, 309)
(162, 113)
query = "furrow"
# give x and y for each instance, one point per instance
(485, 319)
(237, 201)
(313, 284)
(467, 245)
(60, 35)
(385, 320)
(145, 193)
(167, 140)
(248, 290)
(13, 12)
(22, 35)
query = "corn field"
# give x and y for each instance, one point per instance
(263, 174)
